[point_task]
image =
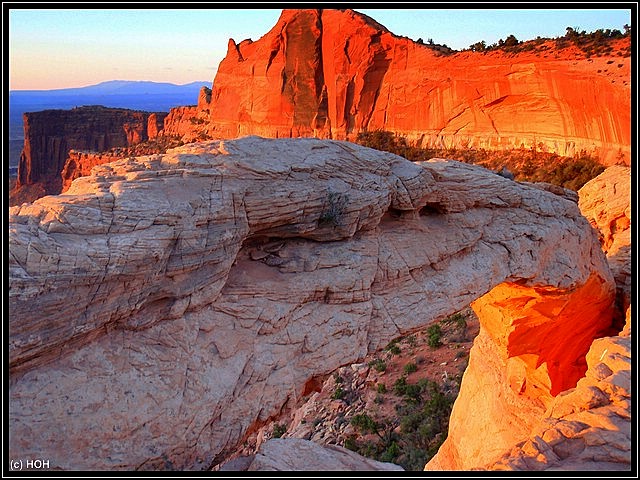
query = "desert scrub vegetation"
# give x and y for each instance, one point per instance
(423, 421)
(279, 429)
(434, 333)
(527, 164)
(393, 347)
(334, 208)
(410, 368)
(597, 43)
(378, 365)
(414, 422)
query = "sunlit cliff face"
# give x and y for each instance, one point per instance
(332, 74)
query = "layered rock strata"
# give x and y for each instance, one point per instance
(50, 134)
(169, 304)
(334, 73)
(606, 202)
(190, 122)
(294, 454)
(79, 164)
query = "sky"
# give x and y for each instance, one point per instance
(53, 48)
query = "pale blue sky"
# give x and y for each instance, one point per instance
(60, 48)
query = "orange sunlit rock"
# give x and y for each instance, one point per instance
(334, 73)
(532, 346)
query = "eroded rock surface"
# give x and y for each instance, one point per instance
(169, 304)
(606, 202)
(587, 427)
(287, 454)
(583, 428)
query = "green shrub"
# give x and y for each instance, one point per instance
(423, 420)
(424, 425)
(395, 349)
(434, 333)
(456, 318)
(338, 393)
(410, 391)
(278, 430)
(410, 368)
(365, 423)
(334, 209)
(382, 388)
(351, 444)
(414, 459)
(378, 364)
(391, 453)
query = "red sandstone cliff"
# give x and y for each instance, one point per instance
(334, 73)
(50, 134)
(189, 122)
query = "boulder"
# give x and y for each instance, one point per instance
(287, 454)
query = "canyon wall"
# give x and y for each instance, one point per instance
(184, 298)
(189, 122)
(50, 134)
(334, 73)
(79, 164)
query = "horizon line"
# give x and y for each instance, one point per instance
(205, 82)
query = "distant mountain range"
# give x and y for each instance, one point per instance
(135, 95)
(116, 93)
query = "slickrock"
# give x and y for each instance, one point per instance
(286, 454)
(334, 73)
(168, 305)
(606, 202)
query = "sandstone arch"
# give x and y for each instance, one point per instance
(183, 298)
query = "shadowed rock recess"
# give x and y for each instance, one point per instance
(167, 305)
